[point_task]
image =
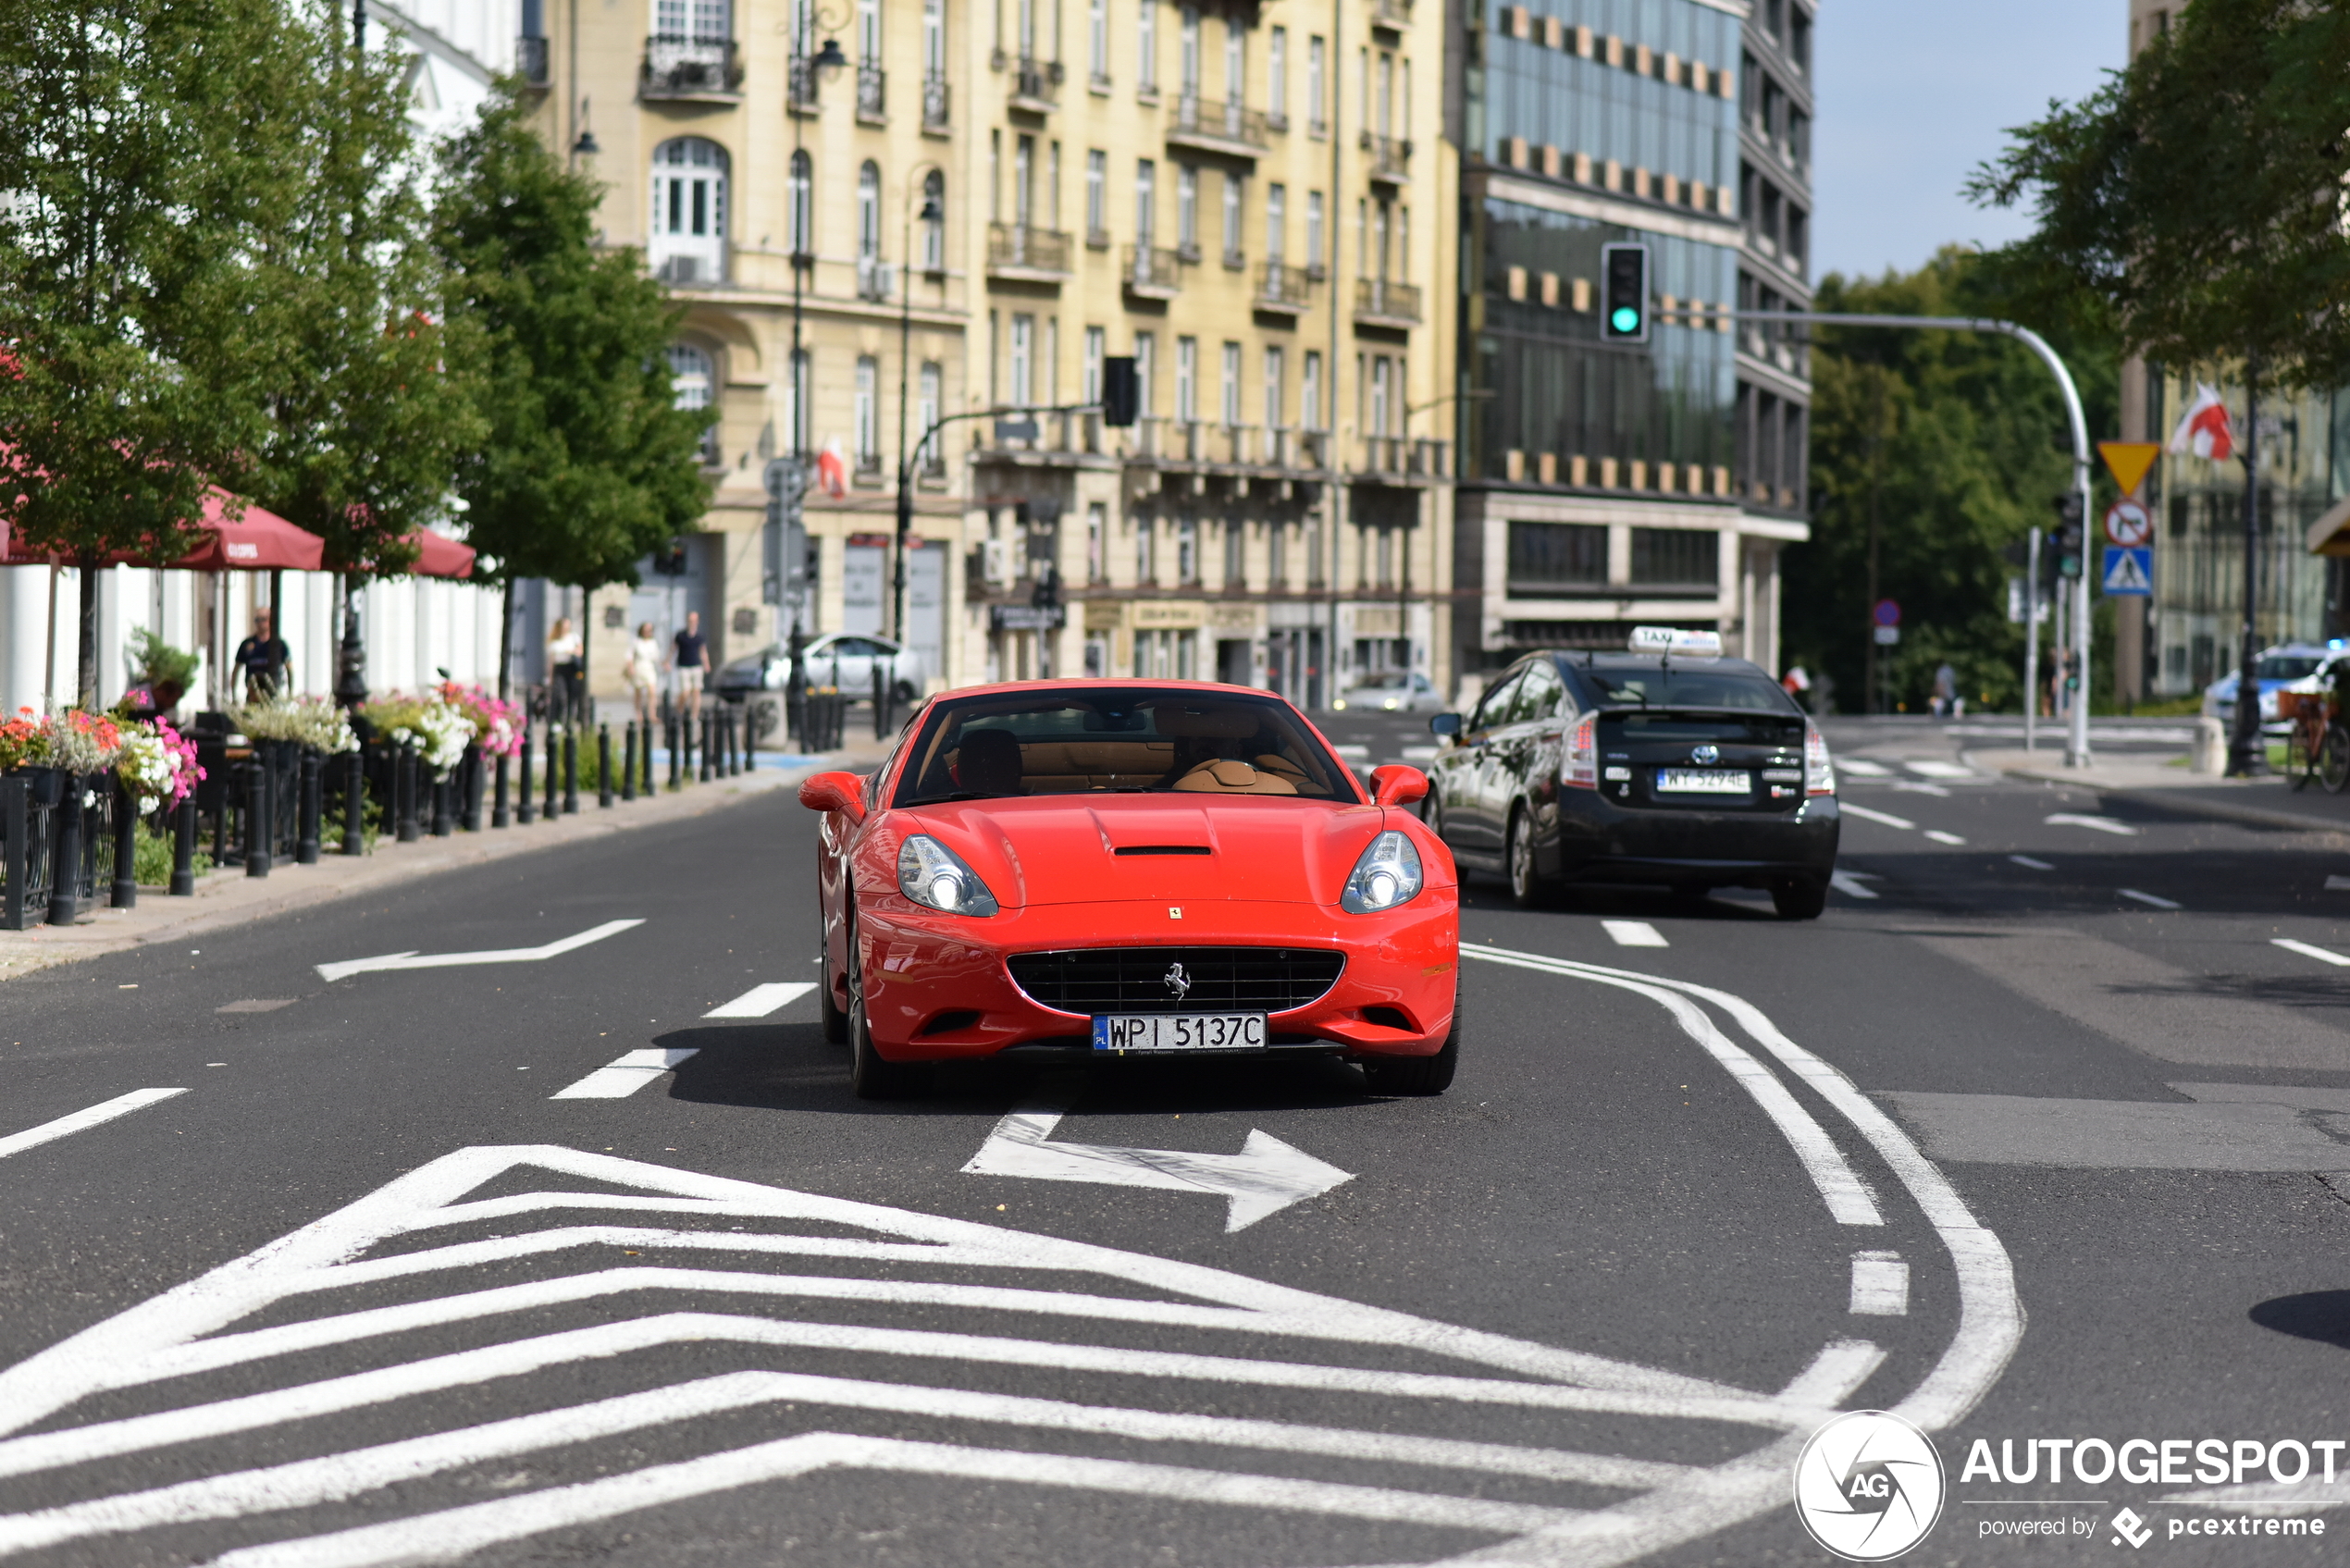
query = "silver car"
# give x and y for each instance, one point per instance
(1390, 691)
(844, 660)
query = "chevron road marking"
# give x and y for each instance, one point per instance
(64, 1127)
(414, 960)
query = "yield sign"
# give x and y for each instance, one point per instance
(2128, 462)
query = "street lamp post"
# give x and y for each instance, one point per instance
(807, 71)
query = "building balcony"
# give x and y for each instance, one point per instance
(1063, 439)
(1153, 272)
(1034, 84)
(1389, 157)
(871, 98)
(1394, 14)
(1205, 126)
(532, 61)
(799, 87)
(1244, 451)
(1378, 303)
(1283, 289)
(1020, 254)
(693, 69)
(1407, 459)
(936, 101)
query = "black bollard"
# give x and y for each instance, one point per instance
(499, 814)
(183, 848)
(709, 727)
(528, 813)
(571, 770)
(553, 805)
(313, 807)
(604, 766)
(645, 783)
(444, 805)
(469, 783)
(65, 871)
(354, 805)
(258, 828)
(124, 894)
(404, 783)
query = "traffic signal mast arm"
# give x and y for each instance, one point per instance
(2077, 750)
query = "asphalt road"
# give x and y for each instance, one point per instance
(2000, 1144)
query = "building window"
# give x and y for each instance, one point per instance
(1089, 388)
(802, 216)
(1235, 62)
(1186, 379)
(1309, 393)
(1317, 91)
(1096, 543)
(1688, 558)
(691, 386)
(1187, 209)
(1187, 550)
(1557, 555)
(1231, 384)
(1024, 338)
(1187, 51)
(934, 228)
(1314, 256)
(1096, 195)
(929, 388)
(867, 415)
(1380, 390)
(934, 39)
(1274, 369)
(1235, 194)
(1145, 200)
(1276, 221)
(1145, 372)
(1235, 554)
(703, 21)
(1098, 39)
(1277, 76)
(1146, 47)
(869, 33)
(688, 241)
(1145, 552)
(869, 225)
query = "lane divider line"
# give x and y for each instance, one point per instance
(624, 1075)
(2155, 901)
(1866, 815)
(2083, 819)
(1940, 837)
(1849, 883)
(1634, 933)
(761, 1000)
(1880, 1285)
(2029, 862)
(65, 1126)
(414, 960)
(2323, 956)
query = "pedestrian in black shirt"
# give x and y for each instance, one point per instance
(691, 662)
(263, 659)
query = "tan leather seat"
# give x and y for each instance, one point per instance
(1230, 775)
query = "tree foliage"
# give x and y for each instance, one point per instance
(1961, 439)
(586, 463)
(2198, 195)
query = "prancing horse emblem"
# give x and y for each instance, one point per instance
(1177, 981)
(1706, 756)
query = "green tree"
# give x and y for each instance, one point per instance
(138, 199)
(587, 465)
(1957, 443)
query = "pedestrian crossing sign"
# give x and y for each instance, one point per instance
(2129, 571)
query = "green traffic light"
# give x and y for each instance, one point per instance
(1625, 319)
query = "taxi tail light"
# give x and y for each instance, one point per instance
(1581, 768)
(1819, 773)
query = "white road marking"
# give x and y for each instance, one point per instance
(2306, 951)
(1912, 787)
(2155, 901)
(1880, 1285)
(1419, 754)
(1265, 1177)
(2082, 819)
(1991, 1316)
(1353, 753)
(761, 1000)
(1861, 768)
(2034, 865)
(414, 960)
(1849, 883)
(170, 1335)
(1634, 933)
(1887, 817)
(2338, 885)
(1926, 768)
(624, 1075)
(1940, 837)
(65, 1126)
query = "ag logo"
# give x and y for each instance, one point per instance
(1868, 1486)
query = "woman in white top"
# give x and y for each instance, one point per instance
(643, 671)
(565, 683)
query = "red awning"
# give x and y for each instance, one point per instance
(257, 541)
(438, 556)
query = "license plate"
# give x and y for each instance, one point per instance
(1179, 1031)
(1701, 781)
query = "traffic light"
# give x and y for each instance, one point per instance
(1121, 391)
(2069, 543)
(1624, 293)
(670, 559)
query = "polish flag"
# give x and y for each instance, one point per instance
(2203, 429)
(831, 469)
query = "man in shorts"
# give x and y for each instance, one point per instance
(691, 662)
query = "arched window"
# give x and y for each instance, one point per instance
(803, 205)
(688, 238)
(693, 383)
(935, 228)
(869, 220)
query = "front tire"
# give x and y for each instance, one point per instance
(835, 1017)
(2333, 759)
(1527, 888)
(1417, 1075)
(1801, 900)
(870, 1075)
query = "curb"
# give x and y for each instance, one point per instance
(2217, 810)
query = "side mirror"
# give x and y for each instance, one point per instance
(1396, 785)
(844, 793)
(1445, 724)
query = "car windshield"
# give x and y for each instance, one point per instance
(1392, 680)
(2289, 666)
(1679, 686)
(1117, 740)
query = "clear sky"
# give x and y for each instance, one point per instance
(1913, 95)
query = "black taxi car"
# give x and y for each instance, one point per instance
(1667, 764)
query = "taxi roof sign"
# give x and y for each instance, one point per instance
(1671, 639)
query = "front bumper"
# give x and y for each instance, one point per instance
(937, 988)
(1598, 842)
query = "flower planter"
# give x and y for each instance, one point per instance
(45, 788)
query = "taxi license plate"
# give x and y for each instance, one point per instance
(1701, 781)
(1179, 1031)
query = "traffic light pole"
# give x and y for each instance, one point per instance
(2076, 745)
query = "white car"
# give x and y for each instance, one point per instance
(2295, 666)
(1391, 691)
(838, 659)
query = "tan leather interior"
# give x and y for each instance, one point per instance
(1230, 775)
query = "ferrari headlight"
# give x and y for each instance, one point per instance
(934, 876)
(1388, 874)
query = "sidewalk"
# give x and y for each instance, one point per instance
(227, 896)
(2267, 802)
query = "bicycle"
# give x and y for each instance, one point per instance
(2318, 745)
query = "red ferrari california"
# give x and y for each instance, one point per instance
(1063, 869)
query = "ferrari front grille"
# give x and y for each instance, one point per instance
(1176, 980)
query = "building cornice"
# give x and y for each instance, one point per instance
(1606, 209)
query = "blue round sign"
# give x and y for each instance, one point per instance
(1887, 612)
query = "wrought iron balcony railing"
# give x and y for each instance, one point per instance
(1217, 127)
(1033, 83)
(870, 80)
(1283, 287)
(1384, 303)
(681, 67)
(934, 101)
(1016, 248)
(1391, 157)
(1153, 272)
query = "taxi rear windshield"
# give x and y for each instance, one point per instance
(1139, 740)
(1677, 687)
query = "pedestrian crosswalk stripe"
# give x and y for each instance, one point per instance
(1634, 933)
(625, 1074)
(761, 1000)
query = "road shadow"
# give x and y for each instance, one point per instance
(2322, 1316)
(791, 1066)
(1631, 901)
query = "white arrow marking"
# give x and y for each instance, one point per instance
(414, 960)
(105, 1110)
(1266, 1176)
(1849, 883)
(2103, 824)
